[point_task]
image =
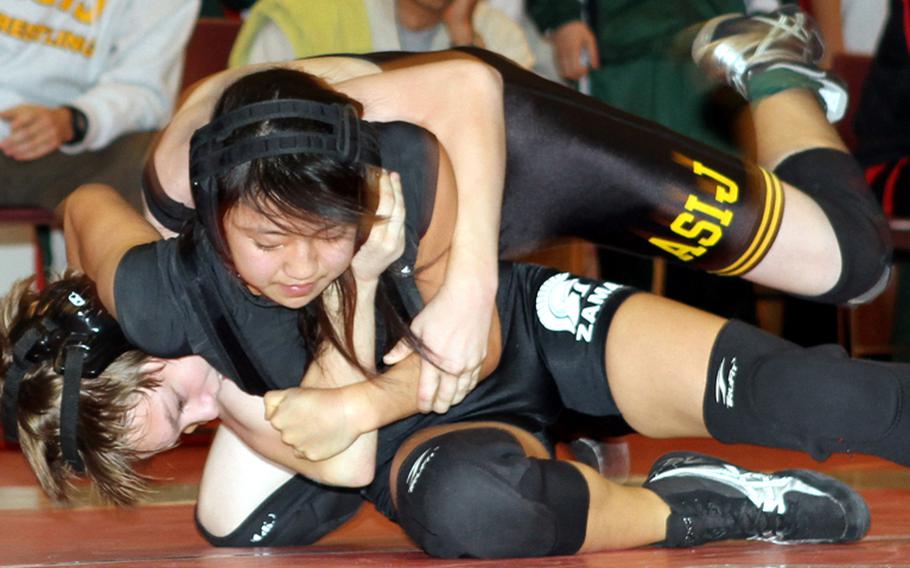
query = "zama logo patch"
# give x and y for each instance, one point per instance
(567, 304)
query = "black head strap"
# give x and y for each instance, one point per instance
(70, 328)
(341, 136)
(344, 137)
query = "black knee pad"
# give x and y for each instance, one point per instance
(298, 513)
(474, 493)
(837, 183)
(764, 390)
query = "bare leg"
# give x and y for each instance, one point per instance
(235, 481)
(657, 360)
(787, 123)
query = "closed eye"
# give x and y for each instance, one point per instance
(266, 247)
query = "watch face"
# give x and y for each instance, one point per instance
(79, 124)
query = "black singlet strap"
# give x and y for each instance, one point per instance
(214, 321)
(348, 138)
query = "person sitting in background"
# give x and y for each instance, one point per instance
(84, 85)
(279, 30)
(882, 117)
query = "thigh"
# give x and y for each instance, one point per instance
(657, 356)
(45, 182)
(235, 481)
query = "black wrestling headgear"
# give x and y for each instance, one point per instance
(71, 328)
(345, 138)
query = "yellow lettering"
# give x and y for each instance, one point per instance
(44, 35)
(679, 226)
(681, 251)
(723, 216)
(87, 15)
(57, 38)
(73, 42)
(17, 30)
(34, 31)
(727, 191)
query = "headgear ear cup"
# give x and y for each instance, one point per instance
(70, 328)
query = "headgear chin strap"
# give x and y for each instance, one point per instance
(71, 328)
(344, 137)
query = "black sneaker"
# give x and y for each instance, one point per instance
(712, 500)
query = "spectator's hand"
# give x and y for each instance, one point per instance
(385, 244)
(456, 334)
(35, 131)
(458, 20)
(315, 422)
(570, 41)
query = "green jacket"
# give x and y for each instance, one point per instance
(646, 68)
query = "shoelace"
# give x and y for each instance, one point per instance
(783, 26)
(716, 520)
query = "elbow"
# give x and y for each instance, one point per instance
(353, 473)
(477, 81)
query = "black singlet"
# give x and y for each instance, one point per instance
(578, 167)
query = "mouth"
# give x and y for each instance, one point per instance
(298, 290)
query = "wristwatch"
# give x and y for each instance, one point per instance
(79, 123)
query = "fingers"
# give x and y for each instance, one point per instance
(438, 390)
(445, 394)
(593, 53)
(576, 50)
(273, 400)
(397, 354)
(33, 133)
(570, 65)
(466, 383)
(391, 205)
(427, 386)
(389, 229)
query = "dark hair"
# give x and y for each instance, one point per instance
(315, 188)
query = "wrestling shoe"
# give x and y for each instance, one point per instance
(712, 500)
(743, 51)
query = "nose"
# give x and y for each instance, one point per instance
(302, 261)
(198, 411)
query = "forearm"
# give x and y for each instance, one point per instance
(460, 102)
(332, 369)
(242, 413)
(476, 148)
(387, 398)
(354, 466)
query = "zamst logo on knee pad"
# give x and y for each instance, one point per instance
(418, 467)
(725, 382)
(566, 304)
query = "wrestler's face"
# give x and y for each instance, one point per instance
(291, 263)
(186, 398)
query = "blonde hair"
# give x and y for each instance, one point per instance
(105, 411)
